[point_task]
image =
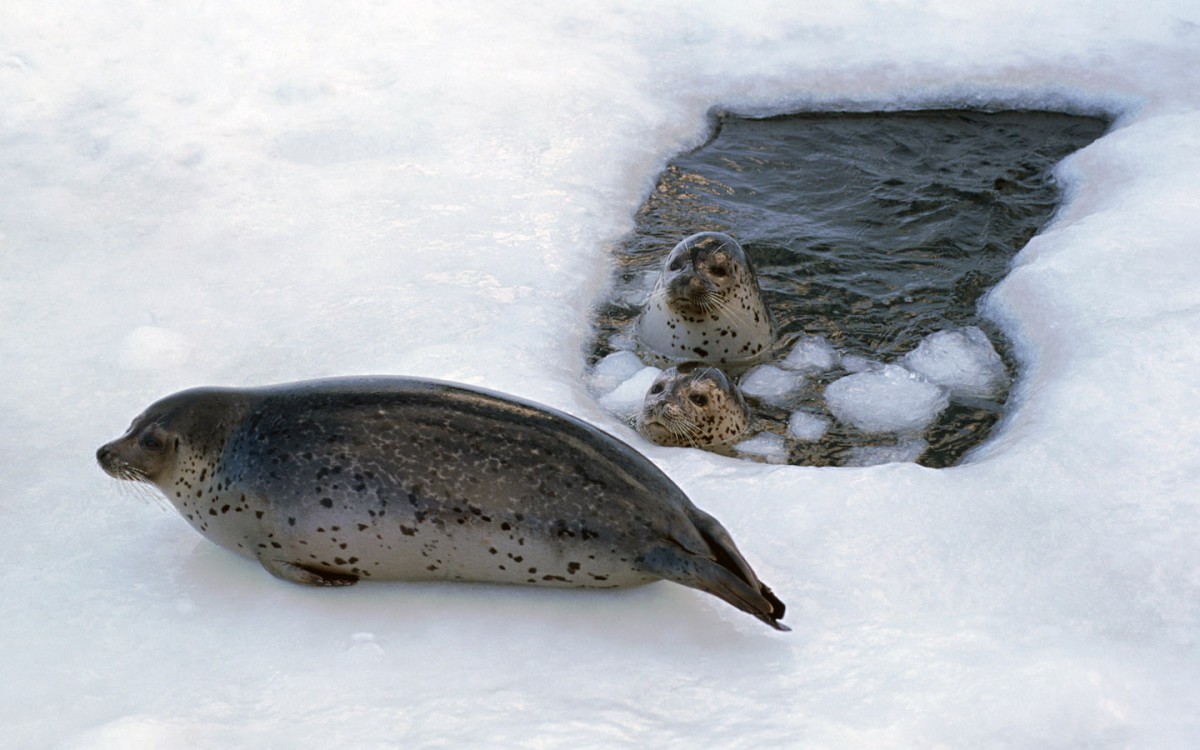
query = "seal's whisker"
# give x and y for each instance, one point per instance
(142, 492)
(684, 430)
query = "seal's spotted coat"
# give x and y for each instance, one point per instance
(329, 482)
(692, 405)
(706, 305)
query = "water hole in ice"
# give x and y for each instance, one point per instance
(874, 236)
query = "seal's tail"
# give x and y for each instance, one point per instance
(710, 562)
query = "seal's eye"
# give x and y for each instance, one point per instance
(699, 399)
(656, 388)
(676, 264)
(720, 271)
(151, 442)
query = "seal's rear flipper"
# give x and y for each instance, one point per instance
(297, 573)
(718, 569)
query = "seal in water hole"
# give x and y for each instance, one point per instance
(328, 482)
(706, 305)
(692, 405)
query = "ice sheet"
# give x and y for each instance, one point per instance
(259, 193)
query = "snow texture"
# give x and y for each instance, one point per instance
(625, 401)
(613, 370)
(251, 193)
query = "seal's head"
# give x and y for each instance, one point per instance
(693, 405)
(706, 305)
(702, 271)
(180, 424)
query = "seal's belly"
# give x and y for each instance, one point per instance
(371, 538)
(458, 545)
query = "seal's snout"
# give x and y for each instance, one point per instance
(104, 458)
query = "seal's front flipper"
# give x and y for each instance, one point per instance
(297, 573)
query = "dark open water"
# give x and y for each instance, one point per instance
(873, 230)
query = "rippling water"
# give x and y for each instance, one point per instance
(873, 230)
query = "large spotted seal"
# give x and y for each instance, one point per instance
(692, 405)
(331, 481)
(706, 305)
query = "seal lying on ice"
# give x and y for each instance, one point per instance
(331, 481)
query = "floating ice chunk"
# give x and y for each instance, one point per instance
(890, 399)
(963, 360)
(905, 451)
(153, 348)
(858, 363)
(804, 425)
(634, 297)
(625, 400)
(636, 294)
(811, 354)
(613, 370)
(765, 445)
(623, 341)
(772, 385)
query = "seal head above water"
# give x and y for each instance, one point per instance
(707, 306)
(330, 482)
(693, 405)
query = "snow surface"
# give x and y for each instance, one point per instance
(626, 400)
(613, 370)
(254, 193)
